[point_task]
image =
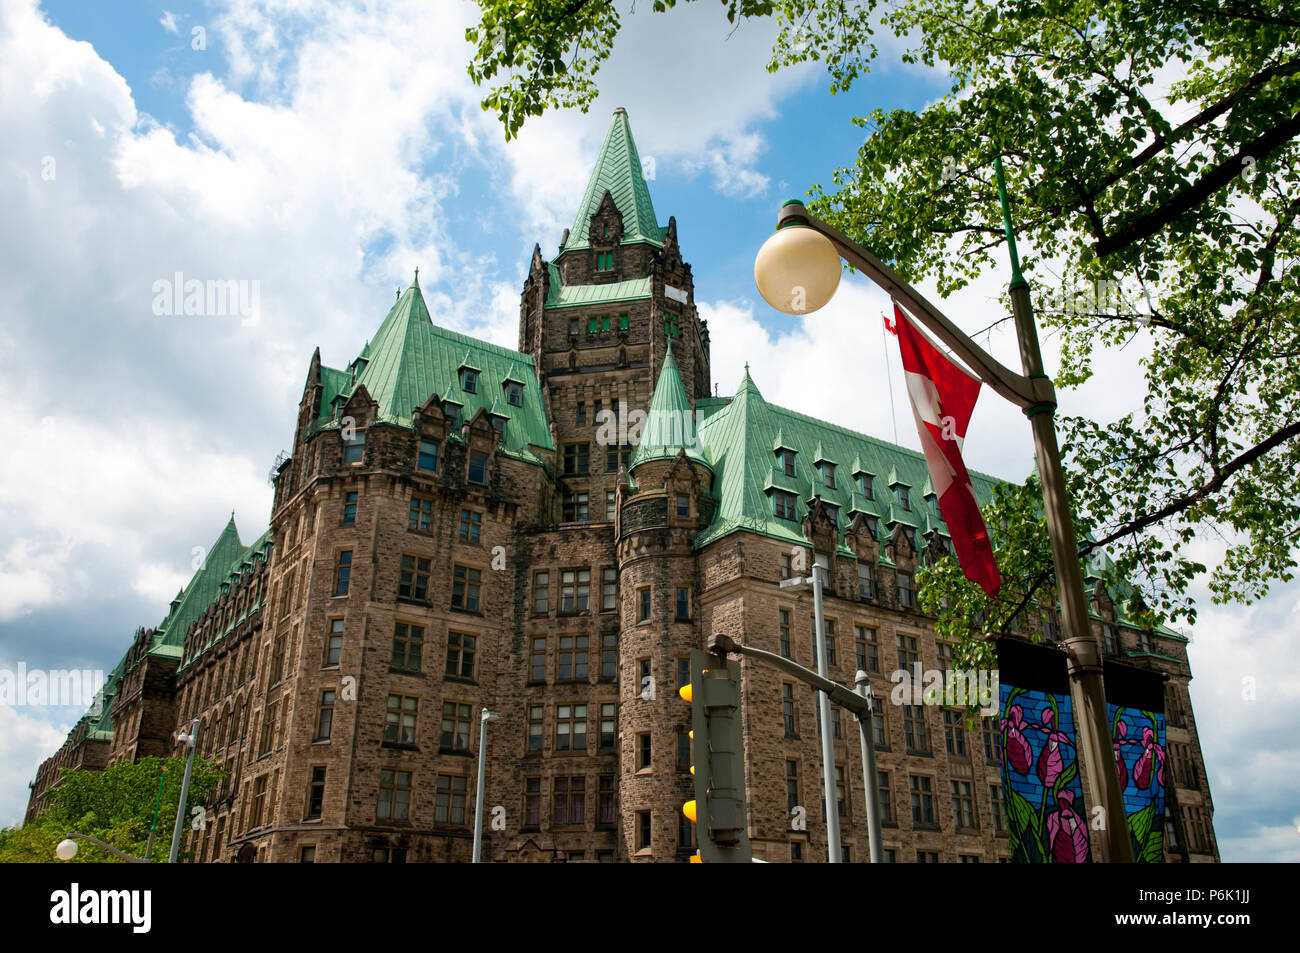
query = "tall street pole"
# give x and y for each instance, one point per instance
(1083, 648)
(478, 790)
(820, 563)
(866, 731)
(192, 739)
(157, 806)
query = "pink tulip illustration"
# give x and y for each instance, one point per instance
(1066, 831)
(1151, 752)
(1019, 754)
(1050, 761)
(1122, 730)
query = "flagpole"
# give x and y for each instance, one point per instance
(1083, 648)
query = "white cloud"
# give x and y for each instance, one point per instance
(25, 741)
(168, 22)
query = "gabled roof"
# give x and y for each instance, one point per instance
(670, 423)
(618, 171)
(225, 554)
(411, 358)
(738, 435)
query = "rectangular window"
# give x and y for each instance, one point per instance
(577, 458)
(477, 468)
(343, 573)
(827, 470)
(906, 594)
(683, 750)
(615, 456)
(866, 582)
(575, 590)
(350, 507)
(864, 486)
(572, 658)
(421, 514)
(259, 800)
(462, 650)
(394, 795)
(575, 508)
(643, 614)
(786, 460)
(841, 799)
(535, 728)
(904, 497)
(611, 506)
(963, 805)
(683, 506)
(1110, 635)
(538, 661)
(334, 646)
(471, 522)
(541, 593)
(927, 856)
(316, 794)
(791, 786)
(514, 394)
(783, 505)
(428, 456)
(868, 649)
(608, 654)
(683, 604)
(449, 803)
(885, 797)
(268, 727)
(608, 724)
(954, 733)
(908, 654)
(643, 748)
(571, 728)
(788, 713)
(532, 804)
(325, 716)
(642, 830)
(399, 727)
(413, 582)
(922, 801)
(456, 720)
(622, 322)
(878, 733)
(787, 568)
(992, 741)
(784, 629)
(570, 802)
(605, 806)
(465, 588)
(408, 646)
(914, 730)
(995, 798)
(608, 590)
(354, 449)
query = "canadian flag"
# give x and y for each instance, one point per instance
(943, 397)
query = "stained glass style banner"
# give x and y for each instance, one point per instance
(1047, 819)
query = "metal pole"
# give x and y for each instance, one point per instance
(185, 792)
(820, 564)
(867, 731)
(478, 791)
(157, 806)
(1082, 647)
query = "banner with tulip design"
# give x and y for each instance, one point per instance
(1047, 820)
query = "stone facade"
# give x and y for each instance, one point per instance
(340, 682)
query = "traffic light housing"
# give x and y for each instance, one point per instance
(718, 751)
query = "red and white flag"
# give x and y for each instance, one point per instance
(943, 399)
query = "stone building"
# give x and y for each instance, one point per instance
(547, 532)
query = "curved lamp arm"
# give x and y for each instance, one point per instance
(1022, 391)
(110, 848)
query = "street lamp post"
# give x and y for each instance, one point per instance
(866, 733)
(192, 740)
(797, 271)
(478, 790)
(824, 715)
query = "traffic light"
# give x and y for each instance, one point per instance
(718, 750)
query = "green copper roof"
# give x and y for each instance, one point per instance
(411, 358)
(223, 555)
(739, 437)
(618, 171)
(670, 424)
(560, 295)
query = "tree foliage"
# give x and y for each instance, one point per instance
(1154, 172)
(115, 805)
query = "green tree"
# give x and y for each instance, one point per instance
(1152, 162)
(115, 805)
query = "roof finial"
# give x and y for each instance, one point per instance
(747, 368)
(417, 274)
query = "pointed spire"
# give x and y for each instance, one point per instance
(416, 282)
(617, 171)
(670, 423)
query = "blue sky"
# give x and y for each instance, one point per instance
(326, 149)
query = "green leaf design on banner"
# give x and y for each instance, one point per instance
(1020, 818)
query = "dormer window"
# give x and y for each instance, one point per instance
(469, 380)
(865, 486)
(498, 424)
(783, 505)
(605, 233)
(786, 460)
(904, 497)
(451, 410)
(605, 261)
(514, 393)
(827, 470)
